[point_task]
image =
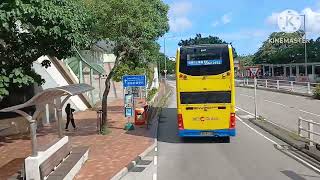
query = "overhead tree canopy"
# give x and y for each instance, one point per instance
(134, 26)
(30, 29)
(204, 40)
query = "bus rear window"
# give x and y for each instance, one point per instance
(199, 61)
(205, 97)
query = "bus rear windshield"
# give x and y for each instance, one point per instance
(205, 97)
(201, 61)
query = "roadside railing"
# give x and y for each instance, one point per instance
(309, 130)
(281, 85)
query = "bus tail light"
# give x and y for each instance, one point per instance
(180, 76)
(232, 120)
(180, 122)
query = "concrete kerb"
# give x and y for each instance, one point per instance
(126, 169)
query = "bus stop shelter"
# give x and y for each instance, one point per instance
(46, 97)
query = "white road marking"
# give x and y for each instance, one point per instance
(314, 114)
(155, 160)
(309, 112)
(256, 131)
(247, 96)
(154, 177)
(280, 147)
(276, 103)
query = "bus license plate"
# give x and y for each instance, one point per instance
(206, 133)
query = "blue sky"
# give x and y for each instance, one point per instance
(245, 23)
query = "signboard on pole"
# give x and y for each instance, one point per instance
(128, 112)
(134, 81)
(254, 71)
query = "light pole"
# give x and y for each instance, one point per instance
(165, 57)
(305, 44)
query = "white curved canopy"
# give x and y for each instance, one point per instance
(48, 95)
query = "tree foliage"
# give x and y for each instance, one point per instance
(30, 29)
(246, 60)
(134, 26)
(204, 40)
(275, 50)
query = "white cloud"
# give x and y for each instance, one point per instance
(180, 24)
(273, 19)
(312, 20)
(215, 23)
(178, 16)
(226, 18)
(180, 8)
(244, 35)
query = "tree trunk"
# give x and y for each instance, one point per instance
(103, 126)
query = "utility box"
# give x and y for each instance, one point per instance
(139, 116)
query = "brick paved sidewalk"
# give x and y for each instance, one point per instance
(107, 155)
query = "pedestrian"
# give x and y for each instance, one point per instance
(69, 112)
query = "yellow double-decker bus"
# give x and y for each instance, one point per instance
(205, 91)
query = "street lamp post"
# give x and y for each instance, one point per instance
(305, 44)
(165, 58)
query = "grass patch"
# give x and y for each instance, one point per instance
(151, 93)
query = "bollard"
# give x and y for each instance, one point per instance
(266, 83)
(299, 127)
(278, 85)
(310, 134)
(309, 88)
(99, 120)
(291, 83)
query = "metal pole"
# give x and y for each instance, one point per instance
(255, 98)
(59, 114)
(33, 133)
(309, 88)
(299, 126)
(310, 135)
(165, 58)
(305, 45)
(278, 85)
(80, 72)
(100, 93)
(91, 82)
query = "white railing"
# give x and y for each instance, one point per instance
(310, 130)
(281, 85)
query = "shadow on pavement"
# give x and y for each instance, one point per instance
(168, 130)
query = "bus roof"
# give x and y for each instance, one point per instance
(207, 45)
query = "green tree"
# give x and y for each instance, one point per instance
(246, 60)
(30, 29)
(134, 26)
(274, 51)
(204, 40)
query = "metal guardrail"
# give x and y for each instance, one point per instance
(290, 86)
(310, 130)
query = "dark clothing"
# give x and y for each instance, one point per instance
(69, 112)
(72, 122)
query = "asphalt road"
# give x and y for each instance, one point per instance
(283, 109)
(249, 155)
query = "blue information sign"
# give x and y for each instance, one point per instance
(128, 111)
(134, 81)
(204, 62)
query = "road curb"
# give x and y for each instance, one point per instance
(298, 144)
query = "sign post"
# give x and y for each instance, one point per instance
(132, 86)
(254, 71)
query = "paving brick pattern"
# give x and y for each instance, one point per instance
(108, 154)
